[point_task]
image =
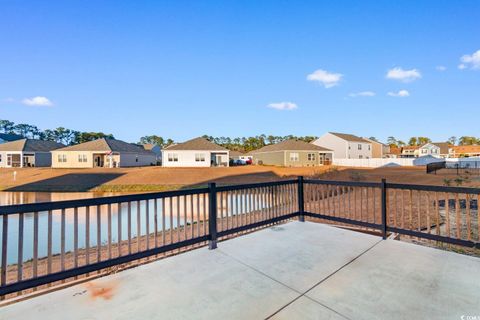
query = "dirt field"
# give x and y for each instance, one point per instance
(158, 179)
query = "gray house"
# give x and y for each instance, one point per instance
(345, 146)
(27, 153)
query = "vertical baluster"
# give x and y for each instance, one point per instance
(428, 211)
(197, 212)
(139, 224)
(469, 226)
(478, 217)
(395, 208)
(129, 226)
(49, 241)
(374, 205)
(410, 211)
(87, 235)
(109, 230)
(437, 209)
(171, 218)
(155, 221)
(3, 276)
(227, 209)
(147, 223)
(403, 208)
(99, 233)
(178, 219)
(204, 213)
(62, 241)
(20, 247)
(367, 204)
(447, 213)
(75, 238)
(119, 228)
(220, 211)
(163, 221)
(35, 244)
(237, 215)
(192, 219)
(185, 217)
(419, 217)
(457, 216)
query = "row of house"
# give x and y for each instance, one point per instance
(200, 152)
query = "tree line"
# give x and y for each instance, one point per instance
(418, 141)
(60, 134)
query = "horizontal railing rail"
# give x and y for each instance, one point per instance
(47, 242)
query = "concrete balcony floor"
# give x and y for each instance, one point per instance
(291, 271)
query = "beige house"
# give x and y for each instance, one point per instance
(379, 150)
(292, 153)
(198, 152)
(27, 153)
(106, 153)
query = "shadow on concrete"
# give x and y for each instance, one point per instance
(68, 182)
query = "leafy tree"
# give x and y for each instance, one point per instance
(452, 140)
(6, 126)
(413, 141)
(468, 141)
(423, 140)
(391, 141)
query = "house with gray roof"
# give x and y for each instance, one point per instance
(346, 146)
(25, 153)
(103, 153)
(8, 137)
(292, 153)
(198, 152)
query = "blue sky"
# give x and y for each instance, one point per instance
(181, 69)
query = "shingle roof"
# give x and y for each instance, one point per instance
(10, 137)
(444, 147)
(466, 149)
(349, 137)
(30, 145)
(197, 144)
(234, 153)
(106, 145)
(291, 144)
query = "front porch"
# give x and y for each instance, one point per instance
(290, 271)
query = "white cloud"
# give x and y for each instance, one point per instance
(327, 79)
(362, 94)
(470, 60)
(403, 75)
(37, 101)
(283, 106)
(400, 94)
(441, 68)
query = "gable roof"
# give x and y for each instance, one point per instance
(235, 153)
(466, 149)
(106, 145)
(10, 137)
(349, 137)
(291, 144)
(30, 145)
(444, 147)
(196, 144)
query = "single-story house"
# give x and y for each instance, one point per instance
(106, 153)
(345, 146)
(198, 152)
(8, 137)
(27, 153)
(292, 153)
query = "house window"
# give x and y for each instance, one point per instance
(424, 151)
(199, 157)
(311, 157)
(360, 157)
(293, 156)
(368, 147)
(81, 158)
(62, 158)
(173, 157)
(359, 147)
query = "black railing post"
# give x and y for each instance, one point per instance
(301, 204)
(384, 209)
(212, 216)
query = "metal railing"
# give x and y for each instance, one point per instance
(44, 243)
